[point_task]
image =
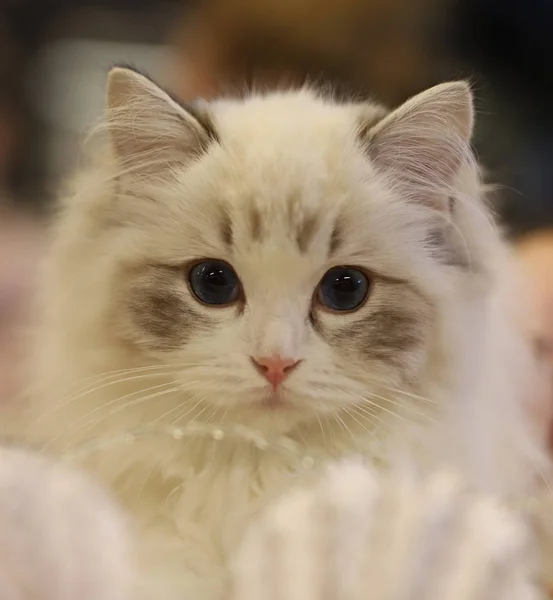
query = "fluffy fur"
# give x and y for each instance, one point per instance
(282, 186)
(61, 536)
(360, 534)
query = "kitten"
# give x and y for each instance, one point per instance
(303, 268)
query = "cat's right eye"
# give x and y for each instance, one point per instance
(214, 282)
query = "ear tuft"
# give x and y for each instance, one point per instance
(422, 144)
(149, 130)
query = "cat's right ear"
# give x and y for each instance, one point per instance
(149, 131)
(422, 145)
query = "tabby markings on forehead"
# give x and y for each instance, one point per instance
(306, 231)
(254, 217)
(336, 239)
(303, 228)
(226, 227)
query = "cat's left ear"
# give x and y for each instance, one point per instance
(149, 131)
(422, 145)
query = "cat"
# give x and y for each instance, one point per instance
(326, 275)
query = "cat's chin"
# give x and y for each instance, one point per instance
(274, 401)
(269, 414)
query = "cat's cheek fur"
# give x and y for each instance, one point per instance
(391, 332)
(156, 311)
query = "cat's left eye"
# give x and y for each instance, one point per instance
(214, 282)
(343, 289)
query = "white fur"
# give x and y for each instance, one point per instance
(61, 536)
(362, 534)
(192, 499)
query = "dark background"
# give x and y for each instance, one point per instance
(504, 46)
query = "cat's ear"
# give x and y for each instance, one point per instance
(422, 145)
(149, 131)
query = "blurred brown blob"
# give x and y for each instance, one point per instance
(361, 47)
(535, 253)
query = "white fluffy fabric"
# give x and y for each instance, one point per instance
(62, 536)
(358, 534)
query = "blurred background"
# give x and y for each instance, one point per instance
(54, 56)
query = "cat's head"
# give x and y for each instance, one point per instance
(291, 257)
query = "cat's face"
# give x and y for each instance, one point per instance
(266, 258)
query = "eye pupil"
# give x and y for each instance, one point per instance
(343, 289)
(215, 278)
(345, 284)
(214, 282)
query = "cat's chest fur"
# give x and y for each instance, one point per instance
(191, 501)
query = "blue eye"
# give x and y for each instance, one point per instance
(214, 282)
(343, 288)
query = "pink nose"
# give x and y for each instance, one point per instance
(275, 369)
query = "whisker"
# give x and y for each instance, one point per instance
(397, 415)
(99, 382)
(367, 411)
(90, 390)
(322, 428)
(224, 415)
(351, 413)
(212, 414)
(91, 379)
(183, 408)
(202, 411)
(410, 395)
(135, 402)
(401, 405)
(341, 422)
(176, 408)
(381, 384)
(107, 404)
(330, 428)
(190, 409)
(376, 405)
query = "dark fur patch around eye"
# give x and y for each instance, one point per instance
(159, 315)
(391, 332)
(386, 335)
